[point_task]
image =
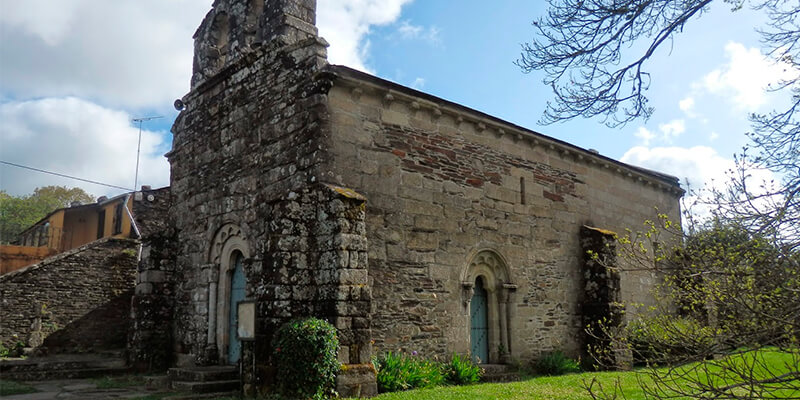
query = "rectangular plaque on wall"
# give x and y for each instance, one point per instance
(246, 320)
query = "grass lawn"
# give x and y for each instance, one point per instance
(8, 388)
(566, 387)
(572, 386)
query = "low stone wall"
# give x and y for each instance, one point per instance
(73, 302)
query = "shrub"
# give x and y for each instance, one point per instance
(668, 339)
(304, 351)
(461, 370)
(556, 363)
(398, 372)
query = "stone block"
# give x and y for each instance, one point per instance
(357, 380)
(423, 241)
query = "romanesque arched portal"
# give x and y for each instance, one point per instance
(487, 291)
(228, 255)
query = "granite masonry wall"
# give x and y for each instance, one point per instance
(245, 168)
(445, 186)
(372, 205)
(73, 302)
(247, 139)
(150, 338)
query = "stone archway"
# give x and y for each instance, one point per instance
(490, 270)
(228, 250)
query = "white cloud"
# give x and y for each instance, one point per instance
(672, 129)
(345, 24)
(120, 53)
(138, 54)
(41, 18)
(713, 136)
(78, 138)
(645, 134)
(701, 166)
(746, 76)
(669, 131)
(698, 165)
(409, 31)
(687, 105)
(418, 83)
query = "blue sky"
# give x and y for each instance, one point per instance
(74, 73)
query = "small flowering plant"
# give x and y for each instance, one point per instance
(405, 371)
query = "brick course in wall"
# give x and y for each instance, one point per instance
(445, 183)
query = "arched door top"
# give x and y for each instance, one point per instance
(490, 265)
(227, 239)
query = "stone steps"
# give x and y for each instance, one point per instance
(499, 373)
(63, 366)
(218, 380)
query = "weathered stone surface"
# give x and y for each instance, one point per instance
(465, 182)
(77, 301)
(357, 200)
(152, 306)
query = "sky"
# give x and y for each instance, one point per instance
(75, 73)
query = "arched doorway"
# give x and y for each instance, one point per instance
(479, 323)
(238, 283)
(489, 305)
(229, 255)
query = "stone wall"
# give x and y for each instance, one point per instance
(81, 298)
(446, 183)
(248, 137)
(150, 338)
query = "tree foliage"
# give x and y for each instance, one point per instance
(731, 288)
(595, 55)
(728, 307)
(20, 212)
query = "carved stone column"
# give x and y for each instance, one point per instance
(509, 315)
(212, 351)
(503, 307)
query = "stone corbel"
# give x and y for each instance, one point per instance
(467, 290)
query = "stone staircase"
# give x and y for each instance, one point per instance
(64, 366)
(499, 373)
(216, 380)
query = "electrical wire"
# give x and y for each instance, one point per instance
(65, 176)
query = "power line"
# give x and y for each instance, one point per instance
(65, 176)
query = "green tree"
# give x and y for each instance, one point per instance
(728, 296)
(20, 212)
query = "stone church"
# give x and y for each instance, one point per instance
(408, 221)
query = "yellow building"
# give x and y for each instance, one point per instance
(70, 227)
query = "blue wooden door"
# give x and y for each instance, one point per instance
(479, 327)
(237, 294)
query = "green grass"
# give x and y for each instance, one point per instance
(8, 388)
(116, 382)
(572, 386)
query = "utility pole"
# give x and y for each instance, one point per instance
(139, 147)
